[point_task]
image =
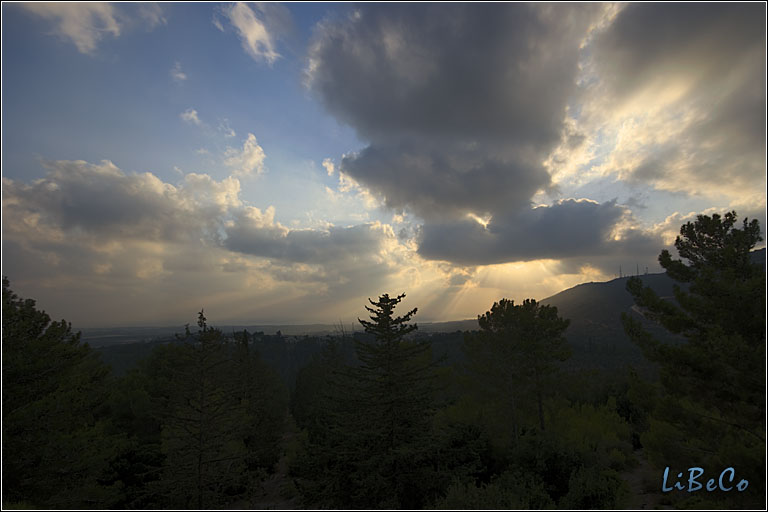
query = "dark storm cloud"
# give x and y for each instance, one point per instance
(460, 103)
(567, 229)
(435, 183)
(500, 71)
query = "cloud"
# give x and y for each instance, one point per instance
(102, 200)
(570, 229)
(647, 42)
(217, 22)
(465, 71)
(460, 106)
(152, 14)
(85, 24)
(170, 248)
(256, 232)
(349, 186)
(247, 161)
(95, 228)
(259, 26)
(680, 91)
(436, 184)
(472, 114)
(190, 116)
(177, 74)
(226, 129)
(328, 166)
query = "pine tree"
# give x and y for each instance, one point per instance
(514, 354)
(713, 412)
(376, 449)
(203, 423)
(394, 393)
(56, 444)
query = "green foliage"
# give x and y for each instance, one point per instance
(548, 470)
(463, 449)
(550, 458)
(375, 450)
(222, 417)
(513, 357)
(597, 433)
(139, 462)
(511, 490)
(56, 441)
(264, 400)
(714, 381)
(202, 422)
(205, 418)
(315, 461)
(309, 400)
(591, 488)
(635, 400)
(572, 465)
(18, 505)
(721, 316)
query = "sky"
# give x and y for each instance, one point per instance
(283, 163)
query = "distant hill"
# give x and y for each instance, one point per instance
(596, 334)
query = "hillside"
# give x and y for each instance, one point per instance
(595, 309)
(596, 335)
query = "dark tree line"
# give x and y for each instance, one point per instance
(383, 419)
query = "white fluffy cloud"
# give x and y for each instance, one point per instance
(329, 166)
(226, 129)
(258, 26)
(152, 14)
(177, 74)
(248, 161)
(86, 23)
(190, 116)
